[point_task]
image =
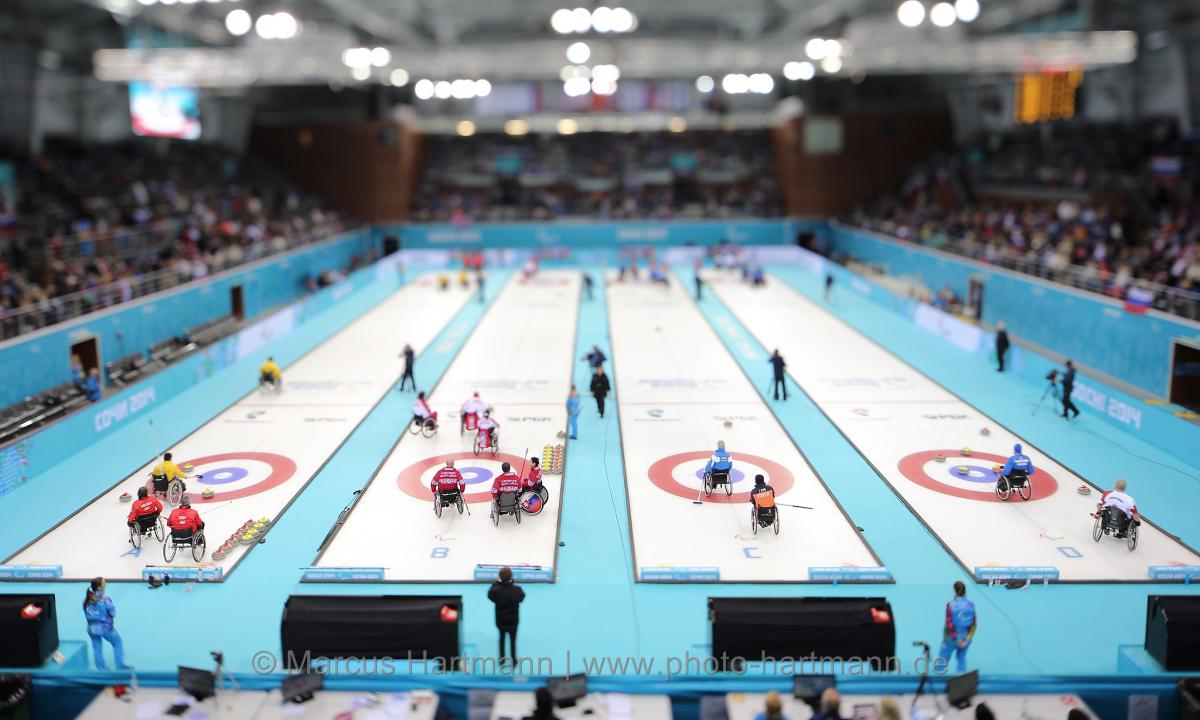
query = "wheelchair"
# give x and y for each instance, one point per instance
(184, 540)
(494, 448)
(764, 517)
(144, 527)
(427, 427)
(173, 490)
(269, 384)
(1016, 481)
(448, 498)
(467, 422)
(533, 500)
(506, 504)
(715, 479)
(1115, 521)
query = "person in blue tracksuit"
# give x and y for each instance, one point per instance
(1018, 461)
(720, 460)
(959, 629)
(573, 402)
(99, 612)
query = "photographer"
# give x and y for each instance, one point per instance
(1068, 385)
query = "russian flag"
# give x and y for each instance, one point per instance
(1138, 300)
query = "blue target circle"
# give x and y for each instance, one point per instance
(735, 475)
(473, 474)
(975, 473)
(224, 475)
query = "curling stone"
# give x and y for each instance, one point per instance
(1084, 489)
(728, 423)
(126, 497)
(997, 468)
(939, 458)
(966, 452)
(962, 469)
(208, 493)
(985, 432)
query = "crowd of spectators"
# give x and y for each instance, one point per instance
(97, 226)
(704, 174)
(1119, 216)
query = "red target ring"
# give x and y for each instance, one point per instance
(410, 482)
(282, 470)
(913, 467)
(660, 473)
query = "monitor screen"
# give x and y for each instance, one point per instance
(198, 683)
(164, 111)
(810, 687)
(302, 685)
(567, 688)
(960, 689)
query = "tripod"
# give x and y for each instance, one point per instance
(220, 674)
(1051, 389)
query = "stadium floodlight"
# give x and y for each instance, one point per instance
(238, 22)
(286, 26)
(361, 74)
(567, 126)
(623, 20)
(516, 126)
(465, 128)
(578, 53)
(967, 10)
(356, 57)
(483, 88)
(562, 21)
(604, 87)
(381, 56)
(831, 64)
(815, 48)
(606, 73)
(735, 83)
(147, 2)
(943, 14)
(794, 70)
(399, 77)
(582, 19)
(807, 71)
(423, 89)
(602, 19)
(442, 90)
(705, 84)
(265, 26)
(761, 83)
(577, 86)
(911, 13)
(167, 2)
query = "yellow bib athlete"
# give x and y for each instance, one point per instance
(163, 473)
(270, 373)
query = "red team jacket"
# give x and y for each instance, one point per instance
(447, 478)
(184, 518)
(144, 507)
(506, 482)
(535, 477)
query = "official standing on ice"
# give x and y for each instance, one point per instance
(600, 388)
(959, 629)
(1001, 345)
(777, 366)
(573, 403)
(409, 357)
(507, 596)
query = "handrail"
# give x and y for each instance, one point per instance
(1173, 300)
(51, 311)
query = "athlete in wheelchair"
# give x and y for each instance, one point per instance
(448, 487)
(534, 497)
(763, 512)
(506, 491)
(716, 472)
(469, 414)
(145, 519)
(1117, 514)
(270, 377)
(1014, 476)
(167, 480)
(187, 532)
(424, 420)
(487, 439)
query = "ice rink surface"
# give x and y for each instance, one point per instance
(520, 360)
(901, 421)
(262, 451)
(678, 388)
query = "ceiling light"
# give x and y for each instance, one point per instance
(483, 88)
(943, 14)
(735, 83)
(602, 20)
(286, 26)
(578, 53)
(399, 77)
(147, 2)
(807, 71)
(606, 73)
(516, 126)
(466, 128)
(442, 89)
(360, 74)
(356, 57)
(831, 64)
(265, 26)
(423, 89)
(761, 83)
(815, 48)
(677, 124)
(238, 22)
(381, 56)
(911, 13)
(622, 20)
(705, 84)
(576, 86)
(562, 21)
(582, 20)
(567, 126)
(462, 89)
(604, 87)
(967, 10)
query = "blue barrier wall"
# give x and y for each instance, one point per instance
(1155, 424)
(35, 454)
(597, 234)
(1090, 328)
(42, 360)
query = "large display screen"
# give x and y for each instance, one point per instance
(164, 111)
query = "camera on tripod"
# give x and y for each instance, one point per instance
(1052, 376)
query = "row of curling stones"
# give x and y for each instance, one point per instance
(207, 494)
(249, 533)
(552, 459)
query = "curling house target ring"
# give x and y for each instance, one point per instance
(978, 483)
(282, 470)
(411, 482)
(661, 473)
